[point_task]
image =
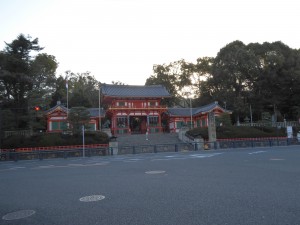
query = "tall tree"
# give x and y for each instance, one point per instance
(175, 77)
(24, 77)
(199, 73)
(277, 86)
(232, 77)
(15, 66)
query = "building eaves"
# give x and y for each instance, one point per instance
(135, 91)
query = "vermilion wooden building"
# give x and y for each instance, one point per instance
(192, 117)
(57, 118)
(132, 109)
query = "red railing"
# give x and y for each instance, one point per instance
(251, 139)
(56, 148)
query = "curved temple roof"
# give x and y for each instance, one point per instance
(198, 110)
(134, 91)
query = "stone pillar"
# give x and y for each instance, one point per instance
(113, 148)
(199, 143)
(212, 134)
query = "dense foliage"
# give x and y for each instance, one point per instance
(54, 139)
(239, 132)
(254, 78)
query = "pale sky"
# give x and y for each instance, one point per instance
(121, 40)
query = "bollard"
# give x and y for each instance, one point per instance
(155, 149)
(133, 150)
(40, 155)
(215, 145)
(111, 151)
(16, 156)
(65, 154)
(176, 148)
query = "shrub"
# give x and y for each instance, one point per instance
(239, 132)
(54, 139)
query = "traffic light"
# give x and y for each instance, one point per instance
(37, 108)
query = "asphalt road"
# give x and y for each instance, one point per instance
(231, 187)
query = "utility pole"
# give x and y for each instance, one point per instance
(99, 107)
(191, 112)
(83, 150)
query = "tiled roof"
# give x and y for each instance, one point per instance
(58, 106)
(180, 111)
(187, 112)
(94, 112)
(134, 91)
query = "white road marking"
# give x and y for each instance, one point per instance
(92, 198)
(155, 172)
(257, 152)
(204, 155)
(18, 215)
(44, 167)
(16, 168)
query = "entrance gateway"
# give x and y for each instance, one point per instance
(133, 109)
(138, 124)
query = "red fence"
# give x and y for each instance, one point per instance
(252, 139)
(56, 148)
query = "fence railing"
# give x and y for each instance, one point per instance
(25, 133)
(103, 150)
(54, 152)
(271, 124)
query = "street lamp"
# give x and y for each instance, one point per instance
(191, 112)
(189, 95)
(99, 108)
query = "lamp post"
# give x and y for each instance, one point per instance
(99, 107)
(189, 96)
(251, 116)
(191, 112)
(83, 149)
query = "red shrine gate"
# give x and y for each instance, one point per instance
(134, 109)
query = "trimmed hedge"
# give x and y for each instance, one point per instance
(54, 139)
(239, 132)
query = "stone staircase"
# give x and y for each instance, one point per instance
(153, 139)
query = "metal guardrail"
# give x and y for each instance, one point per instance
(47, 154)
(178, 147)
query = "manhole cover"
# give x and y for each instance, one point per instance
(155, 172)
(92, 198)
(18, 215)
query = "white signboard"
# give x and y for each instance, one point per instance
(289, 131)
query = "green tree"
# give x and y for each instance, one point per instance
(78, 117)
(175, 77)
(25, 78)
(199, 73)
(83, 89)
(15, 69)
(60, 92)
(232, 77)
(277, 86)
